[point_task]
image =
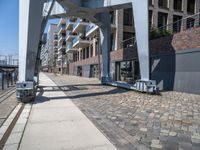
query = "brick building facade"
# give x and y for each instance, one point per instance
(82, 42)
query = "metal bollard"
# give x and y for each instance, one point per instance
(2, 79)
(7, 80)
(11, 76)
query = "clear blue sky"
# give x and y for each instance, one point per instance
(9, 14)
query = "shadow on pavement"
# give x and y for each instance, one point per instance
(41, 98)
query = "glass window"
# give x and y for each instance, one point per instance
(177, 23)
(128, 17)
(191, 6)
(163, 3)
(178, 5)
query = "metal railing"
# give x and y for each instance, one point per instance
(7, 79)
(186, 23)
(90, 27)
(76, 39)
(76, 23)
(128, 42)
(69, 21)
(8, 61)
(69, 46)
(182, 24)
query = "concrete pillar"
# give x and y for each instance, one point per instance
(119, 28)
(184, 22)
(79, 55)
(94, 47)
(155, 14)
(85, 53)
(105, 47)
(197, 4)
(89, 51)
(29, 36)
(140, 13)
(170, 15)
(184, 7)
(197, 9)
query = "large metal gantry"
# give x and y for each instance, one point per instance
(34, 15)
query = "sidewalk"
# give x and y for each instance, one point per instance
(56, 123)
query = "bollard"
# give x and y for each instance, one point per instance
(2, 79)
(15, 77)
(7, 80)
(11, 76)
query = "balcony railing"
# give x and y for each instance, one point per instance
(182, 24)
(69, 46)
(76, 23)
(69, 24)
(62, 46)
(76, 39)
(62, 29)
(70, 36)
(90, 27)
(80, 42)
(61, 38)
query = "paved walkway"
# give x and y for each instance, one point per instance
(134, 121)
(55, 123)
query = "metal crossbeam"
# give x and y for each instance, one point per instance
(96, 11)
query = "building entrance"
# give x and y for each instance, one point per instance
(79, 71)
(127, 71)
(94, 71)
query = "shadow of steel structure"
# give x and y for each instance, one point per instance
(32, 23)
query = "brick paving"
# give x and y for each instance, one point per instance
(133, 120)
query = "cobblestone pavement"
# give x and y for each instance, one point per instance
(7, 103)
(133, 120)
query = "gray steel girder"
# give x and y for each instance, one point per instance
(31, 13)
(92, 9)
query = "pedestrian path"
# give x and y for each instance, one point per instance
(56, 123)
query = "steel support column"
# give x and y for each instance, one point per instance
(140, 13)
(30, 17)
(105, 46)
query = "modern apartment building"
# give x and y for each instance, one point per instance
(44, 58)
(162, 12)
(79, 51)
(47, 51)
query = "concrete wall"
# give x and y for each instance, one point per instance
(178, 71)
(175, 61)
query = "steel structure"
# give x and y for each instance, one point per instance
(34, 15)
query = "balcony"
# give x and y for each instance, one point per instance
(62, 21)
(91, 30)
(80, 42)
(55, 41)
(62, 29)
(59, 58)
(70, 49)
(61, 47)
(55, 47)
(61, 38)
(69, 24)
(56, 54)
(70, 36)
(79, 25)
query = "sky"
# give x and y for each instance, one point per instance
(9, 27)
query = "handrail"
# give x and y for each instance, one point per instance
(175, 27)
